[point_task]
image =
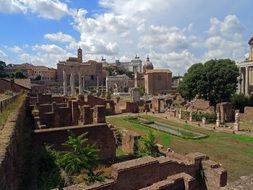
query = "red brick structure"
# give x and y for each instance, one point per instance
(173, 171)
(11, 85)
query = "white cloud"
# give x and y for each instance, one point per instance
(59, 37)
(49, 9)
(225, 39)
(3, 55)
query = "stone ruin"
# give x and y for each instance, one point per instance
(173, 171)
(49, 110)
(55, 116)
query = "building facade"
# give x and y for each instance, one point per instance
(245, 82)
(74, 72)
(33, 71)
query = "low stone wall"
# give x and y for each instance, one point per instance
(174, 171)
(248, 114)
(98, 134)
(11, 140)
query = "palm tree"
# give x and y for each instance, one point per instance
(80, 155)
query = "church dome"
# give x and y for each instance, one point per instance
(148, 65)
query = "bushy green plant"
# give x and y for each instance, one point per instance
(79, 155)
(210, 117)
(240, 101)
(149, 145)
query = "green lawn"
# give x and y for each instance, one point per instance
(234, 152)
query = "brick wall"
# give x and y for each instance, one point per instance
(99, 134)
(11, 86)
(11, 145)
(248, 114)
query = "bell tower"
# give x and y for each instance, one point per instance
(80, 55)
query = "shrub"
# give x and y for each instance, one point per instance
(210, 117)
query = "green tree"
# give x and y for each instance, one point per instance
(240, 101)
(19, 75)
(149, 145)
(215, 80)
(80, 155)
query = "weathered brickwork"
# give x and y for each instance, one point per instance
(173, 171)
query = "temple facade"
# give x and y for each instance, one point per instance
(245, 82)
(75, 74)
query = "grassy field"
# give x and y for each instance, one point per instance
(234, 152)
(12, 106)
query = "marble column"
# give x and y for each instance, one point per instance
(64, 83)
(246, 80)
(83, 80)
(243, 82)
(80, 83)
(72, 84)
(106, 84)
(135, 78)
(97, 84)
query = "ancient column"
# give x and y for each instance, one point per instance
(97, 84)
(218, 119)
(135, 78)
(106, 84)
(190, 117)
(64, 83)
(83, 79)
(243, 84)
(236, 124)
(72, 84)
(80, 83)
(180, 113)
(246, 80)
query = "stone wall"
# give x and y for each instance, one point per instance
(227, 112)
(99, 134)
(11, 145)
(173, 171)
(248, 114)
(11, 86)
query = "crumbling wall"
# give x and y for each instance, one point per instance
(98, 134)
(11, 141)
(248, 114)
(174, 171)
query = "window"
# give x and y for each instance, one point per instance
(92, 77)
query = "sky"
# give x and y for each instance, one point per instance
(174, 33)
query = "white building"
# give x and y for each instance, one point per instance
(245, 82)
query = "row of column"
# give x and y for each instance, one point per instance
(243, 85)
(72, 83)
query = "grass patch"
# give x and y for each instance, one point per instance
(234, 152)
(9, 109)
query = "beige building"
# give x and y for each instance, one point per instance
(245, 82)
(75, 73)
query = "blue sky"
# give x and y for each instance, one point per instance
(174, 33)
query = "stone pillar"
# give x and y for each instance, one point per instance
(83, 80)
(72, 84)
(180, 113)
(97, 84)
(135, 78)
(243, 82)
(74, 112)
(99, 114)
(236, 124)
(64, 82)
(190, 117)
(218, 119)
(80, 83)
(106, 84)
(246, 80)
(87, 115)
(203, 121)
(135, 95)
